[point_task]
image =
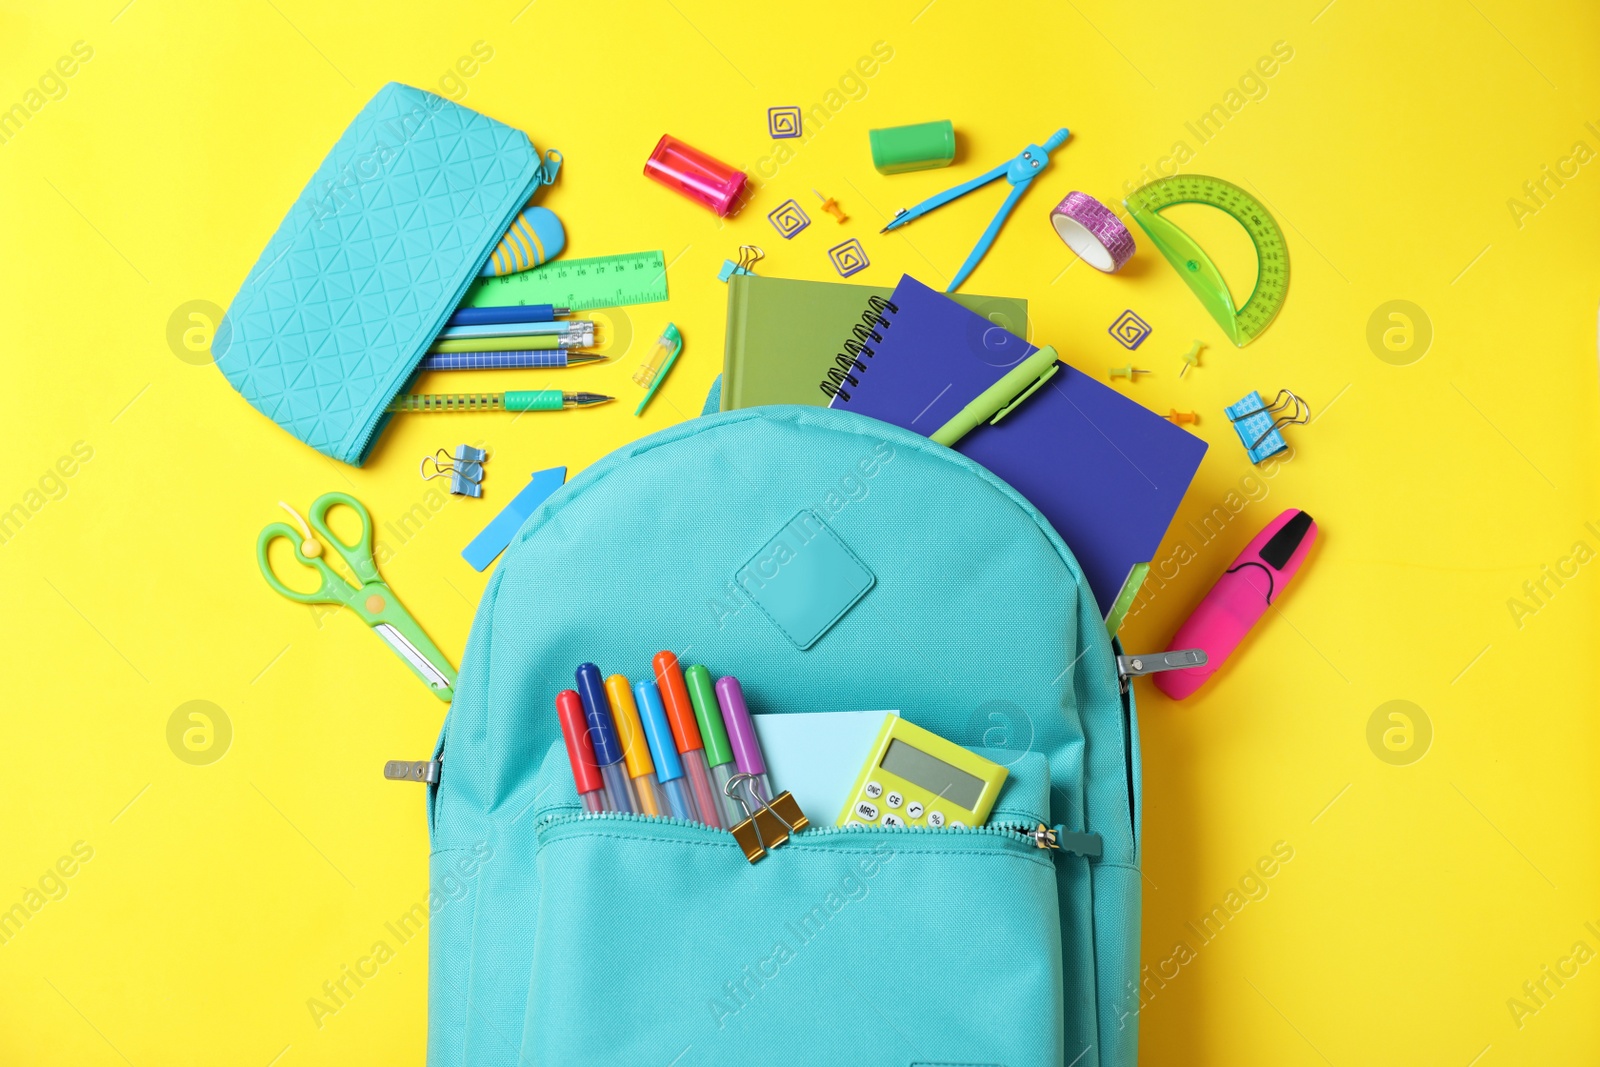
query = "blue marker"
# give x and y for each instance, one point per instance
(664, 751)
(603, 735)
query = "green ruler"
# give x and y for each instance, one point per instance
(580, 284)
(1243, 324)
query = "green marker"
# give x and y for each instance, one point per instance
(1015, 386)
(708, 713)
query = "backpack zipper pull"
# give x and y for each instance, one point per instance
(1150, 663)
(1060, 838)
(399, 770)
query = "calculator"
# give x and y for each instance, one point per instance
(914, 777)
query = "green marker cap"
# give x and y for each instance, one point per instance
(703, 695)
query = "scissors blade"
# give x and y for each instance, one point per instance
(408, 652)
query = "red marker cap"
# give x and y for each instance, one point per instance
(680, 709)
(575, 729)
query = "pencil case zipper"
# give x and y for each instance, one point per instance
(398, 384)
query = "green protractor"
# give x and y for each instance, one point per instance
(1242, 324)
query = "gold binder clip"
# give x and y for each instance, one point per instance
(767, 825)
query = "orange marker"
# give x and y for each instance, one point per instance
(635, 748)
(686, 735)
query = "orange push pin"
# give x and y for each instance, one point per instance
(1183, 417)
(831, 206)
(1129, 372)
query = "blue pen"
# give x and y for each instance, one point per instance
(664, 751)
(603, 735)
(513, 313)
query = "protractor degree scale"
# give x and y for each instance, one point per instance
(1242, 324)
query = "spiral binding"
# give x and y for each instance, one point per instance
(857, 347)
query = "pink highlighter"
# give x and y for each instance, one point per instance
(1240, 597)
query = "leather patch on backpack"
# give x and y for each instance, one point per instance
(805, 579)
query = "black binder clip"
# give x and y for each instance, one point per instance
(767, 825)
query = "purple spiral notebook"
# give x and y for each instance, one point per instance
(1107, 472)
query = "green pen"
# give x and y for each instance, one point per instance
(1015, 386)
(708, 713)
(515, 400)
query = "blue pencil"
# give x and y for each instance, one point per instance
(514, 313)
(541, 358)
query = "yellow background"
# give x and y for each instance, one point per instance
(1419, 898)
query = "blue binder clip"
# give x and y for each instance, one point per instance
(749, 256)
(465, 470)
(1258, 423)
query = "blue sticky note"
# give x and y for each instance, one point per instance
(503, 527)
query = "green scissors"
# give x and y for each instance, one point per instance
(372, 600)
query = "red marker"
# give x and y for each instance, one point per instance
(585, 768)
(1241, 596)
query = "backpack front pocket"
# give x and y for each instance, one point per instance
(655, 939)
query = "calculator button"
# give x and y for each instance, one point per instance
(867, 810)
(914, 810)
(894, 800)
(891, 819)
(873, 790)
(958, 823)
(935, 818)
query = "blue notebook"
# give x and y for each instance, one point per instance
(1107, 472)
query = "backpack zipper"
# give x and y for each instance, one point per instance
(1151, 662)
(1040, 835)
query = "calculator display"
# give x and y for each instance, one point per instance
(934, 775)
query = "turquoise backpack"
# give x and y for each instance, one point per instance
(560, 938)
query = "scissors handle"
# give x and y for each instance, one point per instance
(326, 594)
(358, 555)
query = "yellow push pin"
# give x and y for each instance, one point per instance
(1129, 372)
(1191, 358)
(831, 206)
(1183, 417)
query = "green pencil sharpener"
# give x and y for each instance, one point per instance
(923, 146)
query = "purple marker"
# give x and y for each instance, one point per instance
(742, 735)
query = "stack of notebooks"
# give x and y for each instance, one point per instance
(1106, 472)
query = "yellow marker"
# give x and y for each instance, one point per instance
(635, 749)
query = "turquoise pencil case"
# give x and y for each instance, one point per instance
(374, 256)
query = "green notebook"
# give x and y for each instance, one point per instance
(783, 335)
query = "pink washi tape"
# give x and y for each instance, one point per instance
(1093, 231)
